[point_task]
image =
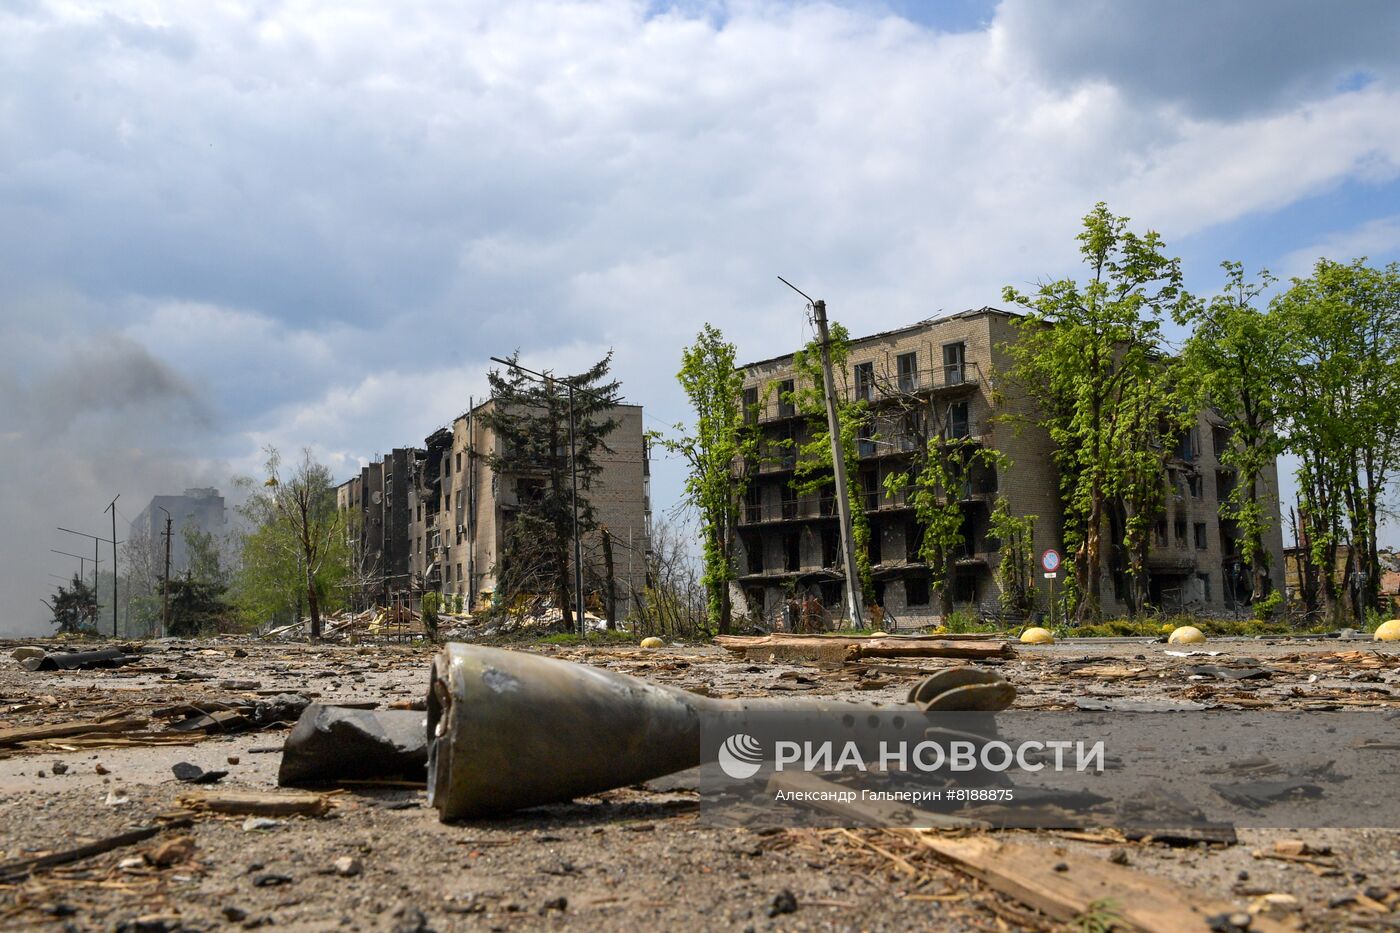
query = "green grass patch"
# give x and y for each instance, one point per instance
(1220, 628)
(594, 638)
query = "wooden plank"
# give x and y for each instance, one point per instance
(1062, 884)
(842, 648)
(960, 648)
(258, 804)
(64, 729)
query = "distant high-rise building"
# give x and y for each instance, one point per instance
(201, 509)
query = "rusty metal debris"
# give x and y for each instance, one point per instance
(77, 660)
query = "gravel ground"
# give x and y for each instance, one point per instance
(629, 859)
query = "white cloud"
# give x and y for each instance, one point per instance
(1375, 238)
(323, 219)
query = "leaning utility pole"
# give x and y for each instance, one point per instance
(165, 582)
(838, 466)
(113, 509)
(838, 462)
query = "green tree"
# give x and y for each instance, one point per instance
(1240, 356)
(74, 608)
(1343, 330)
(429, 613)
(814, 470)
(1083, 353)
(530, 420)
(1016, 563)
(1156, 407)
(295, 547)
(936, 483)
(714, 451)
(197, 596)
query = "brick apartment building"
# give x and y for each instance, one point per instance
(789, 543)
(434, 518)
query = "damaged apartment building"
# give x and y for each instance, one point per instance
(434, 518)
(939, 376)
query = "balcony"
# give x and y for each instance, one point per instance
(792, 510)
(948, 380)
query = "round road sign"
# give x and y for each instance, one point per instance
(1050, 560)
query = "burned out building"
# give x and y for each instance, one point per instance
(476, 506)
(940, 377)
(433, 518)
(378, 504)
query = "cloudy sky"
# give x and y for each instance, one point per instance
(231, 224)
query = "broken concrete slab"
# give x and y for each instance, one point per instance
(332, 743)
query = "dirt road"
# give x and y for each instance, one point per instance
(630, 859)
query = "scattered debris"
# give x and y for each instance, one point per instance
(172, 852)
(258, 804)
(1254, 795)
(347, 866)
(257, 824)
(188, 773)
(330, 744)
(841, 648)
(69, 730)
(1032, 875)
(19, 868)
(77, 660)
(784, 902)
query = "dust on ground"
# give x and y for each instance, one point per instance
(633, 858)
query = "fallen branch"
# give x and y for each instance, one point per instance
(13, 871)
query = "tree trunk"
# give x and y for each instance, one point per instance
(1086, 568)
(945, 590)
(312, 606)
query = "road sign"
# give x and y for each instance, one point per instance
(1050, 560)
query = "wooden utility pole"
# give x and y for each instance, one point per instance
(113, 509)
(610, 609)
(838, 466)
(165, 581)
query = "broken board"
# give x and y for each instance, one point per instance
(1063, 885)
(844, 648)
